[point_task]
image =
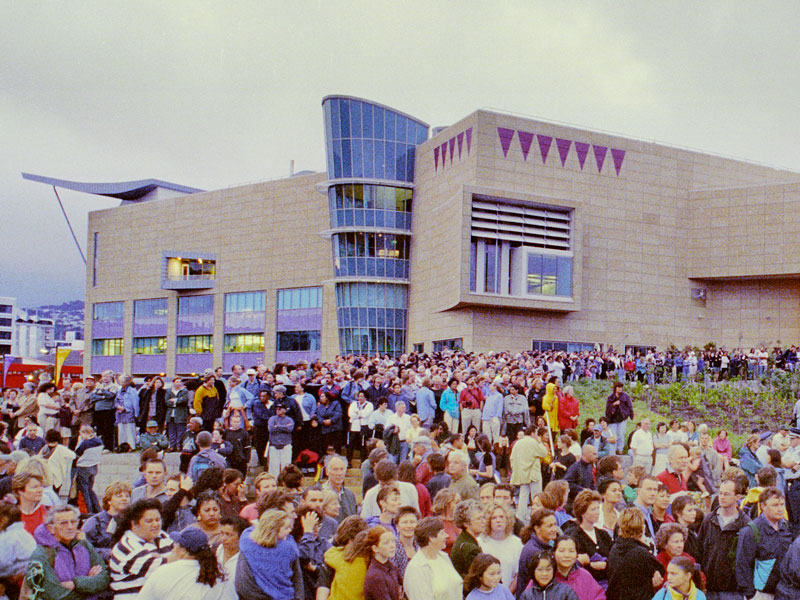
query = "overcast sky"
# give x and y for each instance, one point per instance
(214, 94)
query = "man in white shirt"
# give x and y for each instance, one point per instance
(402, 420)
(642, 446)
(386, 474)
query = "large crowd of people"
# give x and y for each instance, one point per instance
(424, 477)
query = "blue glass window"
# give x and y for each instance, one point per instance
(108, 311)
(549, 275)
(310, 297)
(150, 345)
(149, 309)
(344, 116)
(196, 305)
(298, 341)
(245, 302)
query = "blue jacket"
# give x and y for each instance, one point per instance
(449, 403)
(309, 404)
(128, 399)
(426, 404)
(750, 464)
(771, 545)
(261, 413)
(332, 411)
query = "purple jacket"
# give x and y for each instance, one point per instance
(617, 414)
(580, 580)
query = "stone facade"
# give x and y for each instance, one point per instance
(650, 228)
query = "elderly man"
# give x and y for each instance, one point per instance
(336, 470)
(62, 566)
(81, 404)
(642, 446)
(580, 475)
(461, 481)
(673, 475)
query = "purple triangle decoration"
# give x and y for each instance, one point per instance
(460, 138)
(452, 149)
(525, 141)
(505, 135)
(618, 156)
(600, 156)
(444, 153)
(469, 139)
(436, 158)
(563, 149)
(581, 149)
(544, 146)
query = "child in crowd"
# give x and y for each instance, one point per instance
(483, 580)
(635, 473)
(151, 438)
(89, 453)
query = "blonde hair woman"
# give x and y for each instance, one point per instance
(498, 539)
(268, 554)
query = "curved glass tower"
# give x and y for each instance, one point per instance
(370, 156)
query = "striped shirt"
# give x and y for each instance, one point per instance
(133, 559)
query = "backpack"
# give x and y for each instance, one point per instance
(201, 463)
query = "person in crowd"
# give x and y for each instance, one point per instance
(206, 457)
(555, 497)
(498, 539)
(358, 414)
(539, 535)
(526, 470)
(684, 512)
(680, 574)
(659, 514)
(406, 546)
(670, 543)
(152, 438)
(568, 410)
(593, 543)
(722, 446)
(610, 491)
(633, 571)
(382, 581)
(152, 405)
(748, 461)
(227, 553)
(483, 581)
(59, 462)
(336, 470)
(642, 446)
(407, 473)
(761, 545)
(311, 545)
(386, 474)
(718, 537)
(100, 528)
(103, 403)
(89, 454)
(155, 473)
(208, 512)
(233, 493)
(192, 571)
(49, 403)
(788, 586)
(140, 548)
(176, 413)
(126, 404)
(674, 476)
(347, 560)
(444, 506)
(207, 403)
(449, 405)
(569, 571)
(470, 519)
(281, 428)
(581, 475)
(329, 415)
(17, 546)
(31, 442)
(28, 489)
(389, 502)
(542, 566)
(267, 554)
(63, 566)
(619, 409)
(492, 411)
(429, 574)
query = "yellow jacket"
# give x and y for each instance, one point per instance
(348, 583)
(550, 405)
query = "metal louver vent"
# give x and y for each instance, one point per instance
(533, 226)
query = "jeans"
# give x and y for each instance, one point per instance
(84, 479)
(526, 492)
(403, 452)
(618, 429)
(175, 432)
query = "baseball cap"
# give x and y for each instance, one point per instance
(191, 538)
(251, 371)
(152, 424)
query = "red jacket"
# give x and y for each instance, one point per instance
(567, 407)
(673, 482)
